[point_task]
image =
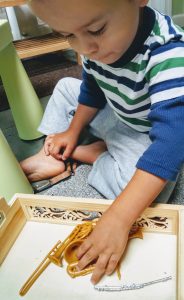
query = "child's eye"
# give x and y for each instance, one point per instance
(69, 36)
(99, 31)
(95, 33)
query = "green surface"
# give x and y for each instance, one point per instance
(12, 178)
(24, 103)
(5, 33)
(178, 7)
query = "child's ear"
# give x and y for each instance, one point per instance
(143, 3)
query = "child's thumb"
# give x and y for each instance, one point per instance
(67, 152)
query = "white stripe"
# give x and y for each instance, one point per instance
(167, 75)
(141, 114)
(164, 28)
(122, 71)
(161, 57)
(155, 39)
(125, 72)
(139, 128)
(166, 95)
(122, 88)
(122, 102)
(86, 69)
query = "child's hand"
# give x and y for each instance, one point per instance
(60, 145)
(106, 243)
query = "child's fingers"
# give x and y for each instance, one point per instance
(46, 147)
(67, 152)
(47, 144)
(112, 264)
(55, 151)
(87, 254)
(100, 268)
(88, 257)
(86, 245)
(106, 264)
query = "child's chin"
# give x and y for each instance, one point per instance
(110, 60)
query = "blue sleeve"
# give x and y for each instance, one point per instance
(165, 156)
(90, 92)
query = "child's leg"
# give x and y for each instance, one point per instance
(57, 117)
(114, 169)
(61, 106)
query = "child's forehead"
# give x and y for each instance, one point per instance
(75, 5)
(68, 16)
(73, 13)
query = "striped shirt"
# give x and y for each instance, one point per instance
(145, 88)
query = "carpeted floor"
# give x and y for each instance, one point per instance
(45, 71)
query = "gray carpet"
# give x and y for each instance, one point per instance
(178, 195)
(75, 186)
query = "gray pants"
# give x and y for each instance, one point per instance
(114, 168)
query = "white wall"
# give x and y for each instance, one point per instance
(164, 6)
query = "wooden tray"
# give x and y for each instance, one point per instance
(32, 225)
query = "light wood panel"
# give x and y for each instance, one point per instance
(8, 3)
(41, 45)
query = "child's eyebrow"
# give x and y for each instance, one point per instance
(94, 20)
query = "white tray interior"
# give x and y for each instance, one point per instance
(145, 260)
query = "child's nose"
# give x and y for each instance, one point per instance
(88, 47)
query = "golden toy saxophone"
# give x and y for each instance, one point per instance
(67, 250)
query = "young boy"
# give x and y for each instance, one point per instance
(132, 94)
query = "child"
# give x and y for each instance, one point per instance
(132, 94)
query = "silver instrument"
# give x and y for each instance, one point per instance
(129, 287)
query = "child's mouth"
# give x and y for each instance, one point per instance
(101, 58)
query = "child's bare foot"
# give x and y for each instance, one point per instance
(40, 166)
(89, 153)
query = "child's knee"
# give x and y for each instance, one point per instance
(68, 82)
(63, 83)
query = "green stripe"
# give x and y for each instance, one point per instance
(115, 90)
(156, 28)
(169, 63)
(135, 121)
(135, 67)
(156, 31)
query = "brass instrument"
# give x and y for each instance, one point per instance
(55, 256)
(66, 250)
